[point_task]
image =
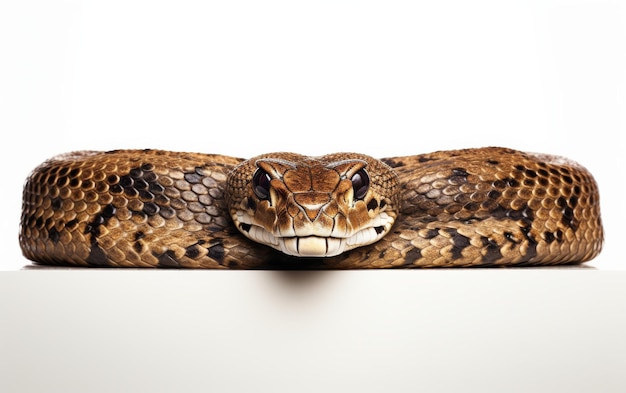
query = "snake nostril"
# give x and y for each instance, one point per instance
(261, 184)
(360, 184)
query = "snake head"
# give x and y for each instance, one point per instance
(313, 206)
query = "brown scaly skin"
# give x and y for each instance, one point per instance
(150, 208)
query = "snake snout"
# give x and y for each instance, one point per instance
(312, 203)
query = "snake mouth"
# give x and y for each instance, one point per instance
(314, 246)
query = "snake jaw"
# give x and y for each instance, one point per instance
(310, 243)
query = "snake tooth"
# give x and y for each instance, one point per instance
(155, 208)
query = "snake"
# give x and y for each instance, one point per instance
(473, 207)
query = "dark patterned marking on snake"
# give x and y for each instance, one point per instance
(54, 234)
(411, 257)
(108, 211)
(168, 259)
(138, 244)
(531, 252)
(192, 251)
(431, 233)
(530, 173)
(150, 208)
(194, 177)
(472, 206)
(93, 228)
(568, 218)
(56, 203)
(494, 194)
(167, 212)
(143, 183)
(62, 181)
(87, 184)
(155, 187)
(512, 182)
(459, 176)
(217, 252)
(525, 213)
(97, 255)
(393, 163)
(116, 188)
(559, 235)
(567, 211)
(499, 184)
(459, 243)
(126, 181)
(492, 250)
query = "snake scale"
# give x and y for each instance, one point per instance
(153, 208)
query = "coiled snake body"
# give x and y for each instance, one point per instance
(153, 208)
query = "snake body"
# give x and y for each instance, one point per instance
(153, 208)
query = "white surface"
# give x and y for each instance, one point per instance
(243, 78)
(482, 330)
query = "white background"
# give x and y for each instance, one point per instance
(382, 78)
(248, 77)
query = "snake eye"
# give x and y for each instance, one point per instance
(360, 184)
(261, 184)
